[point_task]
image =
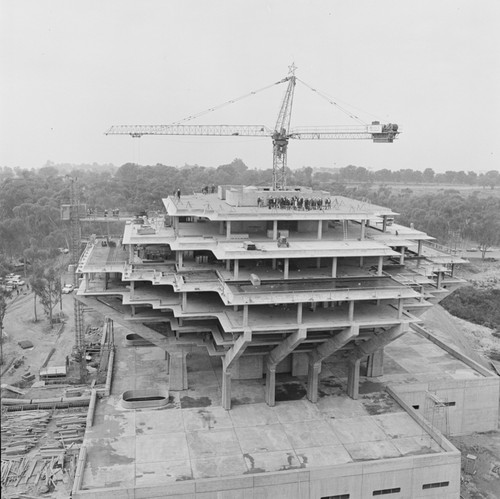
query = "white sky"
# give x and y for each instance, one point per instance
(70, 69)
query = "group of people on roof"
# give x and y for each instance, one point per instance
(296, 203)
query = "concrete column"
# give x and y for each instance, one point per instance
(353, 379)
(384, 223)
(221, 228)
(351, 311)
(228, 265)
(132, 308)
(439, 279)
(167, 358)
(334, 266)
(299, 313)
(375, 364)
(275, 229)
(402, 257)
(184, 301)
(271, 385)
(419, 250)
(286, 268)
(226, 389)
(313, 380)
(178, 370)
(180, 258)
(361, 261)
(320, 229)
(400, 308)
(130, 253)
(380, 266)
(245, 315)
(363, 230)
(236, 269)
(274, 264)
(132, 289)
(318, 263)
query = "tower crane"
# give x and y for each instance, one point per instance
(280, 135)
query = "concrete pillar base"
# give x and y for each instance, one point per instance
(226, 389)
(178, 379)
(271, 386)
(353, 379)
(313, 381)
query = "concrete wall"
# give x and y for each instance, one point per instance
(475, 409)
(357, 479)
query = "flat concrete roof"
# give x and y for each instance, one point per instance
(214, 208)
(194, 438)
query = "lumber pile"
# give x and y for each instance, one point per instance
(21, 432)
(70, 428)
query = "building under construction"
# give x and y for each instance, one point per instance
(269, 343)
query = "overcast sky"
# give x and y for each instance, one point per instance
(71, 69)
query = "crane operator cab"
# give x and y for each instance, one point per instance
(387, 133)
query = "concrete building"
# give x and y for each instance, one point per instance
(279, 335)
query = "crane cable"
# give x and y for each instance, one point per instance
(324, 96)
(232, 101)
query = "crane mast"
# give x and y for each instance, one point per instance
(280, 136)
(282, 133)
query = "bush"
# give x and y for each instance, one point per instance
(480, 306)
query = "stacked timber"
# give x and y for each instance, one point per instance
(21, 432)
(70, 429)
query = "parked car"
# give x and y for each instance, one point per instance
(68, 288)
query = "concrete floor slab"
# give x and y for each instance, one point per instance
(263, 438)
(365, 451)
(200, 397)
(161, 447)
(211, 443)
(149, 422)
(247, 392)
(323, 456)
(399, 424)
(359, 429)
(341, 407)
(253, 415)
(421, 444)
(203, 378)
(206, 418)
(102, 452)
(109, 476)
(310, 434)
(260, 462)
(219, 466)
(297, 410)
(147, 474)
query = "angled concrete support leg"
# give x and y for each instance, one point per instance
(178, 370)
(353, 378)
(167, 358)
(313, 381)
(375, 366)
